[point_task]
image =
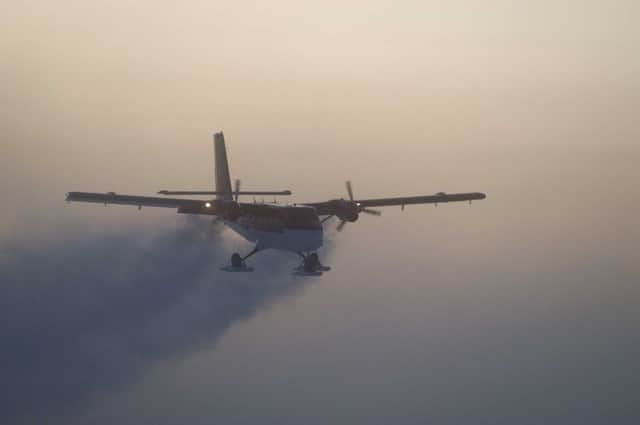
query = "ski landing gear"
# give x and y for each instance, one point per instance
(310, 266)
(238, 264)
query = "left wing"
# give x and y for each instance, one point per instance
(184, 206)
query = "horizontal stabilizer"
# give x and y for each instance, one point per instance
(207, 192)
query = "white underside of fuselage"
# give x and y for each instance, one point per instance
(295, 240)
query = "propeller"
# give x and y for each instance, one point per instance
(357, 204)
(371, 212)
(360, 209)
(237, 189)
(349, 190)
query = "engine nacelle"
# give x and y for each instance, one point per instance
(347, 210)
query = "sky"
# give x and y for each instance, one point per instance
(521, 308)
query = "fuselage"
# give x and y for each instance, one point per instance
(272, 226)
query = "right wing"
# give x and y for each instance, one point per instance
(184, 206)
(334, 207)
(438, 198)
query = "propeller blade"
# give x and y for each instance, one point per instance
(237, 189)
(372, 212)
(349, 190)
(341, 225)
(326, 218)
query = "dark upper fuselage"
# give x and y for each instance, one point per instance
(271, 217)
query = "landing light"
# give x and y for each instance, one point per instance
(207, 204)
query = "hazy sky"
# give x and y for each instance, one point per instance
(519, 309)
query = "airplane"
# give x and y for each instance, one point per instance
(296, 228)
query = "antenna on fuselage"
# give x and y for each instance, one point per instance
(237, 189)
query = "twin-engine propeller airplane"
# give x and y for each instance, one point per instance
(296, 228)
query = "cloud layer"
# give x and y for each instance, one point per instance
(86, 316)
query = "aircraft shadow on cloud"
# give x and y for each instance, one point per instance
(294, 228)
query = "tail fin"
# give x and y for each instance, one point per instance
(223, 181)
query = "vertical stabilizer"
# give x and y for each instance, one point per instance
(223, 181)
